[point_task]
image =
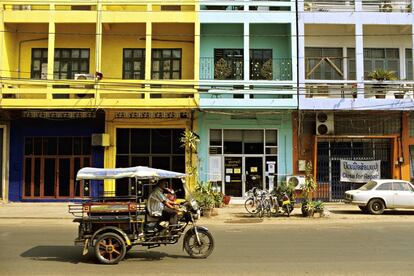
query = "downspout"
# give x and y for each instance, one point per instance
(297, 76)
(20, 48)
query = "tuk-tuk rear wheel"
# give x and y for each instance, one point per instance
(110, 248)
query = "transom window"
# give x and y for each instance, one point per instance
(166, 64)
(133, 64)
(68, 62)
(237, 141)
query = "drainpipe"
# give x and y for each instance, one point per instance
(20, 48)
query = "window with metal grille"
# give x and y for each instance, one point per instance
(133, 64)
(166, 64)
(324, 63)
(367, 124)
(228, 64)
(261, 67)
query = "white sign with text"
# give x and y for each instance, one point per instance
(360, 171)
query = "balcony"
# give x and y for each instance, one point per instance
(385, 6)
(17, 93)
(237, 6)
(277, 69)
(84, 12)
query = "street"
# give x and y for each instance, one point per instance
(44, 247)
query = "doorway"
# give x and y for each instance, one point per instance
(242, 173)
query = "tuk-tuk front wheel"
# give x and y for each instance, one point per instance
(198, 249)
(110, 248)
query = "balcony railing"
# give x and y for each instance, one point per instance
(333, 89)
(109, 93)
(367, 5)
(235, 6)
(279, 69)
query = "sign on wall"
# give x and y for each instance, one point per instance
(215, 168)
(360, 171)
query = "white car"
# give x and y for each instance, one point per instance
(377, 195)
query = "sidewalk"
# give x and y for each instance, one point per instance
(60, 211)
(232, 214)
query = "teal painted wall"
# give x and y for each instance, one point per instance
(220, 36)
(282, 121)
(271, 36)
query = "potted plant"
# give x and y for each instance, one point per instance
(205, 198)
(308, 190)
(226, 199)
(319, 207)
(381, 75)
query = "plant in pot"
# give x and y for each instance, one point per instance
(308, 190)
(319, 207)
(381, 75)
(205, 198)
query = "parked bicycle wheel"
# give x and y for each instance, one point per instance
(250, 205)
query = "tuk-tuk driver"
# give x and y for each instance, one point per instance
(159, 205)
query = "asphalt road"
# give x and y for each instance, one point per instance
(44, 247)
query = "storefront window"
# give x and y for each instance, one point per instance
(158, 148)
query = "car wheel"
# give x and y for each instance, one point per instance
(364, 209)
(376, 206)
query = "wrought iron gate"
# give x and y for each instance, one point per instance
(331, 151)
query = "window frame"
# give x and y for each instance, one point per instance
(161, 59)
(57, 72)
(260, 61)
(43, 60)
(132, 60)
(234, 56)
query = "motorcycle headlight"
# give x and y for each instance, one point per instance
(194, 204)
(197, 215)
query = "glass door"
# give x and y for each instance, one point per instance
(253, 170)
(233, 177)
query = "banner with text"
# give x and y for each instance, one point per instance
(360, 171)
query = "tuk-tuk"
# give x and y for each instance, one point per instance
(113, 224)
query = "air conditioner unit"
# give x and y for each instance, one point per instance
(84, 77)
(100, 139)
(297, 180)
(324, 123)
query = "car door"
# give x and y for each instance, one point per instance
(385, 192)
(403, 194)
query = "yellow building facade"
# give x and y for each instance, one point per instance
(138, 62)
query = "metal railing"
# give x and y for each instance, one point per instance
(367, 5)
(279, 69)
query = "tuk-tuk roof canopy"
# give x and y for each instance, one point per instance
(139, 172)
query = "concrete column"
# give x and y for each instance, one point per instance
(412, 47)
(358, 5)
(197, 50)
(300, 5)
(98, 42)
(148, 48)
(403, 73)
(2, 45)
(293, 51)
(50, 56)
(359, 59)
(246, 51)
(301, 63)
